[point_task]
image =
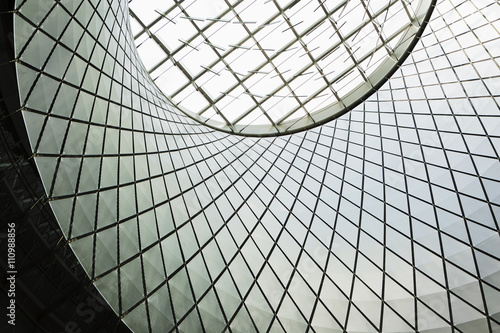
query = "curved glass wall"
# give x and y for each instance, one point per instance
(385, 219)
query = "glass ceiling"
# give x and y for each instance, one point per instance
(268, 67)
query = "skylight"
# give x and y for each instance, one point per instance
(268, 67)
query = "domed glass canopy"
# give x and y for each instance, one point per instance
(269, 67)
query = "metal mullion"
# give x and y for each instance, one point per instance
(268, 62)
(348, 47)
(275, 243)
(228, 67)
(423, 273)
(459, 194)
(377, 27)
(136, 218)
(83, 155)
(176, 228)
(280, 51)
(366, 257)
(297, 39)
(200, 33)
(405, 7)
(248, 237)
(147, 28)
(380, 32)
(302, 246)
(163, 47)
(199, 250)
(238, 252)
(408, 208)
(304, 46)
(440, 255)
(283, 49)
(355, 30)
(344, 72)
(240, 84)
(258, 101)
(185, 72)
(342, 40)
(251, 35)
(285, 84)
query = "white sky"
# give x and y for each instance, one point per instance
(261, 62)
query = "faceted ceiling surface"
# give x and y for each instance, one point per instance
(385, 219)
(266, 67)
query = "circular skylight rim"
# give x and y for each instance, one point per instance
(406, 40)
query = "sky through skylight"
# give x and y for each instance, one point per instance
(271, 66)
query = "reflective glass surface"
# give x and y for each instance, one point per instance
(385, 219)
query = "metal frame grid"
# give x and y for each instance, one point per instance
(249, 86)
(385, 219)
